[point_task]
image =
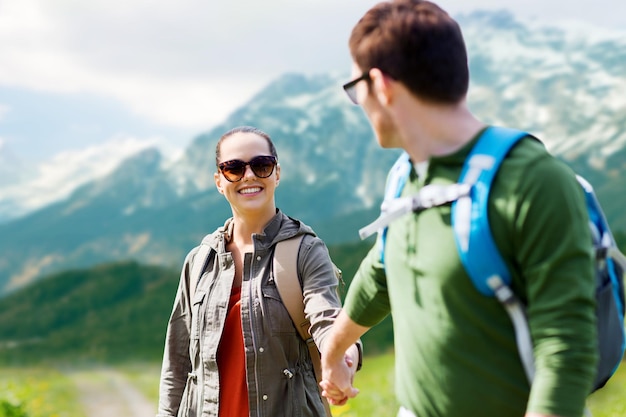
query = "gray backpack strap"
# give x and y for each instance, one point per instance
(431, 195)
(288, 285)
(197, 268)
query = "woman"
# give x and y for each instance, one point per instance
(231, 348)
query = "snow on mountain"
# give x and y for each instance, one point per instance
(555, 82)
(56, 178)
(323, 142)
(563, 81)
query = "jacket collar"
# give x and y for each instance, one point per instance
(280, 227)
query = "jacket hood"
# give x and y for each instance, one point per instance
(280, 227)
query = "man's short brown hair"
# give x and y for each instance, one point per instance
(417, 43)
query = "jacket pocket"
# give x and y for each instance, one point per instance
(304, 395)
(276, 314)
(312, 405)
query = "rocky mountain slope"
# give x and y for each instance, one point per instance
(564, 84)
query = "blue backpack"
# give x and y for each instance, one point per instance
(481, 258)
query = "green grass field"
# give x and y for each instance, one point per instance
(375, 383)
(48, 392)
(610, 401)
(41, 392)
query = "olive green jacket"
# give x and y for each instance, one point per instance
(280, 377)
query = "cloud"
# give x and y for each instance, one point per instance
(189, 63)
(186, 63)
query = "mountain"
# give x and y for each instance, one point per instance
(562, 83)
(26, 188)
(155, 212)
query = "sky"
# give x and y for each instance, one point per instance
(76, 74)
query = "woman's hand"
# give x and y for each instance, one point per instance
(338, 387)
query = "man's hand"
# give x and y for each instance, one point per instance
(340, 359)
(333, 392)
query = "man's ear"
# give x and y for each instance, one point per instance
(382, 86)
(277, 174)
(218, 182)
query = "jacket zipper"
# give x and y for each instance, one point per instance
(254, 341)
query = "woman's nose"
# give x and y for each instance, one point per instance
(248, 172)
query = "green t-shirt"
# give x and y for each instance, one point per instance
(456, 354)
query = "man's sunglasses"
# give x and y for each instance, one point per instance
(234, 170)
(350, 87)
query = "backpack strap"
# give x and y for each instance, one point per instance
(470, 219)
(286, 277)
(394, 206)
(430, 195)
(396, 179)
(470, 222)
(603, 239)
(610, 268)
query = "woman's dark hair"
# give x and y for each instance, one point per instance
(244, 129)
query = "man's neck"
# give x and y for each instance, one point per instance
(437, 130)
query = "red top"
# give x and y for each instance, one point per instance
(231, 362)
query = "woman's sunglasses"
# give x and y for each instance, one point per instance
(235, 169)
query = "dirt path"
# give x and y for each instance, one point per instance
(107, 393)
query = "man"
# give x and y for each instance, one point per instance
(455, 348)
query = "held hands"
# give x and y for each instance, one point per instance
(337, 377)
